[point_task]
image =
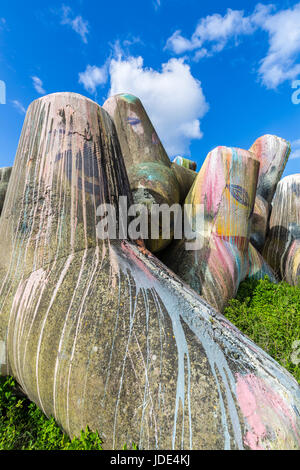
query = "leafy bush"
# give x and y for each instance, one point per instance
(24, 427)
(270, 315)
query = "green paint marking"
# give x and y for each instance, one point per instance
(129, 98)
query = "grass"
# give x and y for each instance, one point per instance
(268, 313)
(24, 427)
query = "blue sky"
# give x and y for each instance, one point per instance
(219, 73)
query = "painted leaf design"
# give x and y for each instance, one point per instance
(239, 193)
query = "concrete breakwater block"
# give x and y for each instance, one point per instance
(101, 333)
(282, 247)
(258, 266)
(185, 178)
(185, 163)
(152, 177)
(4, 179)
(272, 153)
(225, 190)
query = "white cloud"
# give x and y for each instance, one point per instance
(284, 47)
(179, 44)
(214, 32)
(131, 41)
(295, 153)
(78, 24)
(92, 77)
(3, 24)
(19, 106)
(173, 98)
(38, 85)
(156, 4)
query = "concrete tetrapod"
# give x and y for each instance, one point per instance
(185, 178)
(272, 153)
(225, 190)
(101, 333)
(258, 266)
(282, 247)
(152, 177)
(185, 163)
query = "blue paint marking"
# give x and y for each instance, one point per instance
(133, 121)
(239, 193)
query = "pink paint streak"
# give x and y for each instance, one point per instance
(262, 408)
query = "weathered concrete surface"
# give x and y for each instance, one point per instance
(272, 153)
(282, 247)
(151, 177)
(185, 178)
(102, 333)
(185, 163)
(138, 139)
(4, 179)
(258, 267)
(225, 187)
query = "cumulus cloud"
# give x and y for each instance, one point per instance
(78, 24)
(38, 85)
(92, 77)
(295, 149)
(19, 106)
(214, 32)
(172, 97)
(133, 40)
(284, 47)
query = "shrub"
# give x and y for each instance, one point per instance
(24, 427)
(270, 315)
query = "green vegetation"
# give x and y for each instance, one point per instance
(24, 427)
(270, 315)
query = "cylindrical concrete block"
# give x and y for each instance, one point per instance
(185, 178)
(272, 153)
(152, 179)
(185, 163)
(4, 179)
(224, 190)
(282, 247)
